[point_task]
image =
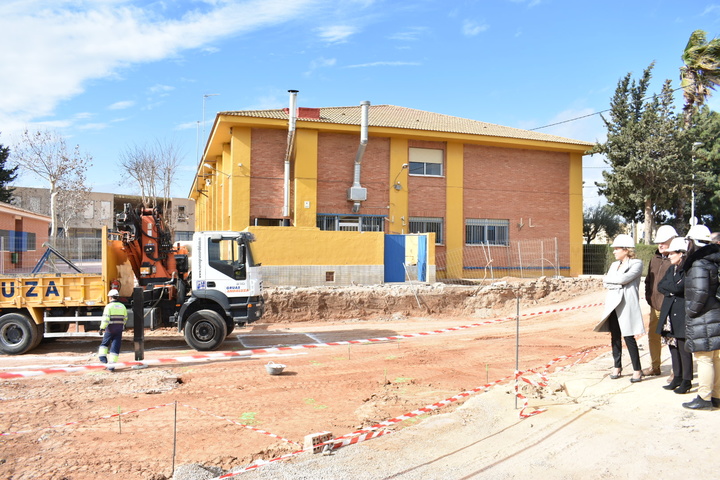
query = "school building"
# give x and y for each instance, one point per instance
(363, 194)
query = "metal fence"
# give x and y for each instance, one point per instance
(524, 259)
(85, 253)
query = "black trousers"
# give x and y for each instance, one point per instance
(616, 339)
(682, 361)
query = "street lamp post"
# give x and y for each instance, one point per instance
(693, 220)
(205, 96)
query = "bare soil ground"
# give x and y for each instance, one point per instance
(57, 426)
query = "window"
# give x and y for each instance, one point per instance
(481, 231)
(428, 225)
(13, 241)
(105, 209)
(181, 215)
(351, 223)
(89, 211)
(183, 236)
(426, 161)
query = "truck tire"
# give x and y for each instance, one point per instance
(230, 327)
(205, 330)
(18, 334)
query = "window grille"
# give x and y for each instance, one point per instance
(428, 225)
(482, 231)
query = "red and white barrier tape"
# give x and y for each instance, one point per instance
(104, 417)
(257, 430)
(373, 432)
(245, 353)
(334, 442)
(544, 377)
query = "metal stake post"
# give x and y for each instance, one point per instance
(138, 324)
(517, 345)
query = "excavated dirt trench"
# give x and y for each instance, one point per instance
(499, 298)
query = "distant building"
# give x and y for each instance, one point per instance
(21, 233)
(101, 210)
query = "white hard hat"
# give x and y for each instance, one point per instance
(699, 233)
(623, 241)
(665, 233)
(678, 244)
(113, 293)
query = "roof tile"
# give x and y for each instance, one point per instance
(408, 118)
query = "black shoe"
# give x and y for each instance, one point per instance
(636, 380)
(699, 404)
(673, 385)
(684, 387)
(715, 402)
(102, 358)
(614, 376)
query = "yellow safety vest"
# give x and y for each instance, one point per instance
(115, 312)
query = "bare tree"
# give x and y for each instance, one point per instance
(154, 168)
(72, 200)
(139, 163)
(45, 154)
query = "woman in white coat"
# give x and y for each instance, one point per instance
(623, 317)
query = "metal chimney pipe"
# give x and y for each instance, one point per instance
(292, 121)
(356, 193)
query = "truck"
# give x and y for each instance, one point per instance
(205, 287)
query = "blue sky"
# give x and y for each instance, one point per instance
(111, 74)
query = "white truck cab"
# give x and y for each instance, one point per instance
(226, 288)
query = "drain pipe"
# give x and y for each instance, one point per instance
(292, 120)
(357, 193)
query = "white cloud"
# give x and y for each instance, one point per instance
(471, 28)
(410, 35)
(320, 63)
(710, 9)
(92, 126)
(52, 48)
(161, 90)
(530, 3)
(121, 105)
(336, 33)
(385, 64)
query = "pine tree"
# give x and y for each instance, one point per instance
(644, 150)
(7, 175)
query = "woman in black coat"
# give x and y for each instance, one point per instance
(702, 321)
(671, 323)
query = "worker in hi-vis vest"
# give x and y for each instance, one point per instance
(111, 328)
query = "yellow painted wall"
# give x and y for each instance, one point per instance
(240, 147)
(312, 246)
(454, 227)
(306, 165)
(225, 166)
(576, 215)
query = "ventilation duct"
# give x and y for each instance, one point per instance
(292, 120)
(356, 193)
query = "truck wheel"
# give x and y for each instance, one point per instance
(18, 334)
(205, 330)
(230, 326)
(40, 335)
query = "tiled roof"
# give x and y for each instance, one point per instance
(409, 118)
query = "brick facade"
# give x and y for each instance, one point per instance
(16, 222)
(336, 171)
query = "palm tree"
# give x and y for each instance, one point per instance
(700, 72)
